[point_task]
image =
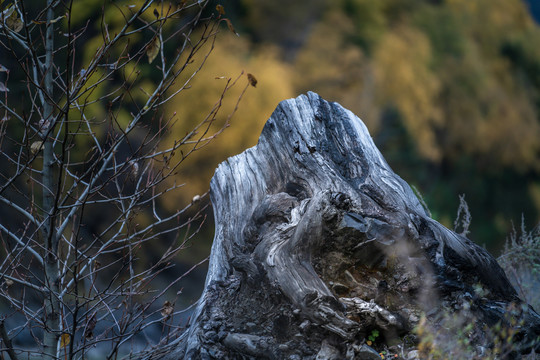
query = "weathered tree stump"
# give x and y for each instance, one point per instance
(318, 242)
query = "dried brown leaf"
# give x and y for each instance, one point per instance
(167, 309)
(231, 27)
(252, 80)
(90, 325)
(134, 169)
(220, 9)
(153, 49)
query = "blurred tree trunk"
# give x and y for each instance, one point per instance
(319, 244)
(50, 240)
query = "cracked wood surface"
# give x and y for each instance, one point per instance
(318, 241)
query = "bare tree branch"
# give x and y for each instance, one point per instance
(85, 172)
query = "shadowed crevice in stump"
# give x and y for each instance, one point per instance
(318, 242)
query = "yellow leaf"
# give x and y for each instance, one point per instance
(231, 27)
(14, 22)
(17, 25)
(36, 147)
(252, 80)
(64, 340)
(153, 49)
(7, 13)
(220, 9)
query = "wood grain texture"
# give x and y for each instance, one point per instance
(318, 241)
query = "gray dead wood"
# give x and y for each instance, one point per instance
(318, 242)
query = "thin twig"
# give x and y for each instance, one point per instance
(7, 341)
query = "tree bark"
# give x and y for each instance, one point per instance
(318, 242)
(52, 332)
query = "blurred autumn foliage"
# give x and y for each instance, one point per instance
(230, 57)
(450, 90)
